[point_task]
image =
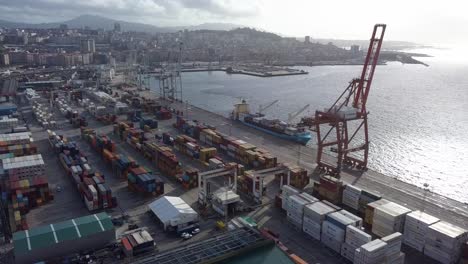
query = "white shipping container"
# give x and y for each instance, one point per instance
(370, 253)
(347, 251)
(311, 228)
(444, 242)
(389, 218)
(400, 259)
(331, 242)
(351, 201)
(287, 191)
(356, 237)
(317, 211)
(416, 227)
(393, 246)
(334, 231)
(357, 221)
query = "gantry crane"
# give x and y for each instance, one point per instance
(170, 81)
(293, 115)
(344, 127)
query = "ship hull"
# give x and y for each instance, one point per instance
(298, 139)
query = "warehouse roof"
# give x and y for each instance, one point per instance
(49, 235)
(172, 210)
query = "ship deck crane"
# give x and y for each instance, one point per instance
(344, 126)
(262, 108)
(293, 115)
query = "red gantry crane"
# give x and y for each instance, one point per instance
(343, 127)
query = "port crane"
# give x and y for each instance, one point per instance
(344, 126)
(170, 80)
(293, 115)
(262, 108)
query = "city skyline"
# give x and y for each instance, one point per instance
(428, 23)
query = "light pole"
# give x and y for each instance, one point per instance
(426, 189)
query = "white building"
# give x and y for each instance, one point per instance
(173, 212)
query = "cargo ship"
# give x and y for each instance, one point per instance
(273, 127)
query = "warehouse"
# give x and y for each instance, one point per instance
(173, 212)
(63, 238)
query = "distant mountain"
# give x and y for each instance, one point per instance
(95, 22)
(387, 44)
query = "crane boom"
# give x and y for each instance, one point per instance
(293, 115)
(262, 108)
(364, 84)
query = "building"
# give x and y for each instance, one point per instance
(88, 46)
(355, 49)
(63, 27)
(64, 238)
(307, 39)
(117, 27)
(173, 213)
(4, 59)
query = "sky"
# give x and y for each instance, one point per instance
(426, 22)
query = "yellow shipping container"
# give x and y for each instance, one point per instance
(17, 216)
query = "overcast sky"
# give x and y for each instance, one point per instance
(428, 21)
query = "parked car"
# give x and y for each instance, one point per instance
(195, 231)
(186, 236)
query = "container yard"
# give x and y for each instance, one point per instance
(123, 167)
(148, 184)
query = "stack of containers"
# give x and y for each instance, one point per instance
(393, 254)
(149, 123)
(15, 139)
(215, 163)
(371, 253)
(416, 226)
(444, 242)
(137, 243)
(247, 154)
(351, 196)
(206, 154)
(246, 184)
(188, 146)
(295, 208)
(7, 123)
(96, 195)
(145, 183)
(355, 238)
(23, 167)
(18, 150)
(163, 157)
(388, 219)
(287, 191)
(163, 114)
(190, 178)
(334, 229)
(191, 128)
(366, 198)
(168, 163)
(331, 189)
(314, 215)
(369, 211)
(121, 164)
(121, 129)
(297, 175)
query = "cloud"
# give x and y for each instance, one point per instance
(160, 12)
